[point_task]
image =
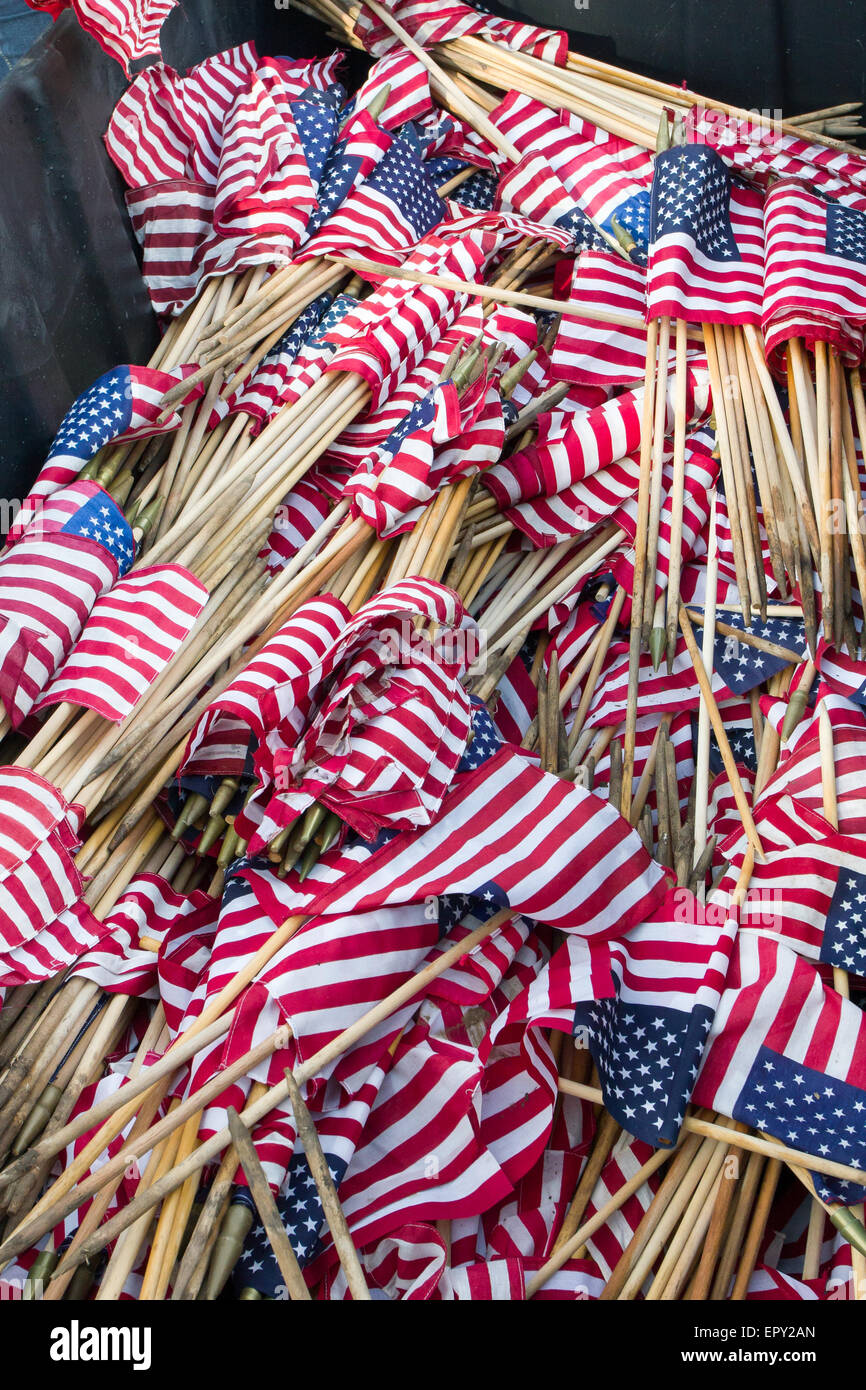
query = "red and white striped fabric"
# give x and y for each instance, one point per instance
(397, 326)
(50, 580)
(124, 29)
(263, 186)
(393, 487)
(599, 171)
(333, 970)
(38, 838)
(815, 271)
(131, 635)
(149, 907)
(706, 254)
(387, 725)
(53, 948)
(507, 829)
(569, 448)
(296, 520)
(218, 743)
(409, 94)
(602, 354)
(756, 148)
(454, 21)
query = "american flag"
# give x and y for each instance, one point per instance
(53, 948)
(743, 667)
(601, 354)
(260, 395)
(528, 857)
(397, 327)
(129, 638)
(386, 725)
(219, 740)
(669, 973)
(388, 486)
(363, 143)
(627, 1157)
(124, 29)
(759, 149)
(149, 907)
(38, 839)
(264, 185)
(409, 96)
(297, 518)
(453, 21)
(389, 213)
(571, 447)
(604, 175)
(121, 405)
(787, 1055)
(49, 581)
(811, 898)
(815, 273)
(706, 241)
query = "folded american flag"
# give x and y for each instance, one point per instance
(38, 838)
(787, 1055)
(121, 405)
(454, 21)
(129, 638)
(706, 241)
(388, 213)
(815, 273)
(759, 149)
(124, 29)
(50, 579)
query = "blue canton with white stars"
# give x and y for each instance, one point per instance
(339, 176)
(846, 233)
(485, 739)
(402, 178)
(316, 123)
(741, 737)
(100, 519)
(300, 1209)
(691, 195)
(101, 413)
(478, 193)
(586, 236)
(633, 215)
(342, 305)
(647, 1059)
(742, 666)
(808, 1110)
(844, 940)
(300, 332)
(419, 416)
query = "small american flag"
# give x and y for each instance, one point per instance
(601, 354)
(788, 1055)
(49, 581)
(453, 21)
(124, 29)
(647, 1041)
(121, 405)
(815, 273)
(706, 241)
(389, 213)
(409, 96)
(129, 638)
(38, 838)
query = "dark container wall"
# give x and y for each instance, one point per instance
(72, 303)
